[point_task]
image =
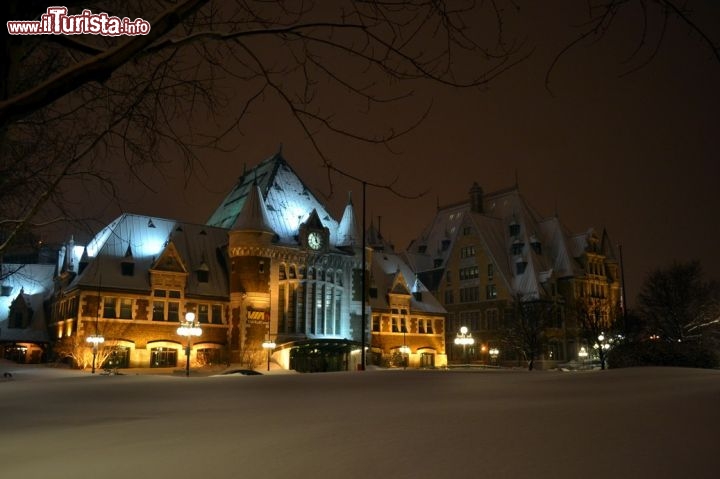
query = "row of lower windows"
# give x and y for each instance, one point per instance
(471, 272)
(167, 357)
(400, 325)
(162, 310)
(471, 294)
(479, 321)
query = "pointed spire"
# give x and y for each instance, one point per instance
(347, 230)
(606, 246)
(254, 215)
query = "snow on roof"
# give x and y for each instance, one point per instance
(253, 216)
(532, 253)
(33, 284)
(347, 234)
(148, 237)
(288, 200)
(386, 267)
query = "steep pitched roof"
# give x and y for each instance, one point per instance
(607, 248)
(347, 234)
(185, 247)
(253, 216)
(33, 284)
(288, 201)
(526, 248)
(389, 273)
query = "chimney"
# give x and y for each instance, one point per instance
(476, 198)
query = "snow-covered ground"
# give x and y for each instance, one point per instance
(633, 423)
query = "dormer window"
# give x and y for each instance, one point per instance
(127, 268)
(536, 246)
(521, 266)
(445, 244)
(514, 229)
(517, 247)
(422, 248)
(203, 273)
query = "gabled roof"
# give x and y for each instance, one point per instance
(390, 274)
(607, 248)
(399, 285)
(288, 201)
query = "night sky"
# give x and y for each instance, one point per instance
(636, 154)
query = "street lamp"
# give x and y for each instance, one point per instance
(405, 351)
(189, 329)
(464, 339)
(494, 353)
(268, 345)
(95, 340)
(602, 348)
(583, 354)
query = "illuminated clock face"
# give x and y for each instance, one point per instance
(315, 240)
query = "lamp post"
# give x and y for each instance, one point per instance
(494, 353)
(405, 349)
(464, 339)
(268, 345)
(583, 354)
(95, 340)
(189, 329)
(602, 348)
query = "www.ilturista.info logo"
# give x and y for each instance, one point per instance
(57, 22)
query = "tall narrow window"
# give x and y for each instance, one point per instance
(338, 310)
(491, 291)
(109, 307)
(173, 311)
(217, 314)
(282, 313)
(203, 313)
(158, 311)
(292, 308)
(126, 308)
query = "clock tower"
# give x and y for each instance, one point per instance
(313, 235)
